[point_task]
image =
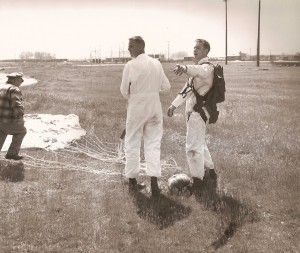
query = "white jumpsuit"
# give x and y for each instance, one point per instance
(143, 79)
(198, 155)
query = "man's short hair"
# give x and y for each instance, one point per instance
(138, 40)
(205, 43)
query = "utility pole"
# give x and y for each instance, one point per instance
(258, 36)
(95, 55)
(100, 53)
(225, 32)
(168, 50)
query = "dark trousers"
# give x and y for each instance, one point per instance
(18, 131)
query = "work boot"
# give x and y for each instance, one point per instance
(14, 157)
(197, 186)
(210, 180)
(154, 187)
(134, 186)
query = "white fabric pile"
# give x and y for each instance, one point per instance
(27, 80)
(51, 132)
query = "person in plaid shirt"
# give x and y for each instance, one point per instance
(11, 115)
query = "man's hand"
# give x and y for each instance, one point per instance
(171, 110)
(180, 69)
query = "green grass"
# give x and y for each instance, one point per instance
(255, 147)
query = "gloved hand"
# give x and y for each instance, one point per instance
(171, 110)
(180, 69)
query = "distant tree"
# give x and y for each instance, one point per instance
(36, 55)
(26, 55)
(43, 56)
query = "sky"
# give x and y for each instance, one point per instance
(77, 29)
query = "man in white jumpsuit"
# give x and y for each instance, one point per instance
(198, 155)
(143, 79)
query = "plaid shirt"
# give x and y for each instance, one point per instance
(11, 104)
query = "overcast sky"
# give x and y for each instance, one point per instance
(78, 28)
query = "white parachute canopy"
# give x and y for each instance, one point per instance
(51, 132)
(27, 80)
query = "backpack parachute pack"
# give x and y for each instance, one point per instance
(214, 96)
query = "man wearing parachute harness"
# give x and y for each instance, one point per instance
(201, 79)
(143, 79)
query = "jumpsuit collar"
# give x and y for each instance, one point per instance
(141, 56)
(205, 59)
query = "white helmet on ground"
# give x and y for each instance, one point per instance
(179, 183)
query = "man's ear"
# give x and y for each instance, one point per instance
(141, 49)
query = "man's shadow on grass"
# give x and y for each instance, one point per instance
(233, 214)
(160, 211)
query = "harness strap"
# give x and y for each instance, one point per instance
(202, 114)
(186, 91)
(201, 99)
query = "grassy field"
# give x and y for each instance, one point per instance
(255, 147)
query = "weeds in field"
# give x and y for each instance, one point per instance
(89, 154)
(254, 145)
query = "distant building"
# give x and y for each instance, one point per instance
(96, 60)
(35, 60)
(158, 56)
(117, 59)
(126, 59)
(234, 58)
(188, 58)
(191, 58)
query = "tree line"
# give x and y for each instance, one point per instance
(36, 55)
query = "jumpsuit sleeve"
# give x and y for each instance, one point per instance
(204, 74)
(17, 102)
(165, 84)
(125, 84)
(203, 71)
(183, 95)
